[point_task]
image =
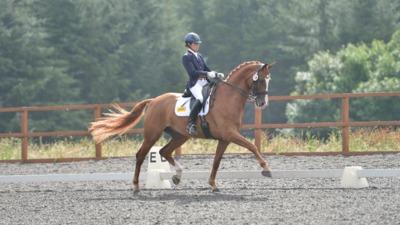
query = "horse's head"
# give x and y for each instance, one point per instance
(258, 84)
(250, 79)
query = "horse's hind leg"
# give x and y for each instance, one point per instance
(176, 141)
(140, 156)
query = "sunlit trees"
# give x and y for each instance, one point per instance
(353, 69)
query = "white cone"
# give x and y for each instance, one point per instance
(351, 180)
(157, 164)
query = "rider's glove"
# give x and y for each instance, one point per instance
(220, 75)
(211, 75)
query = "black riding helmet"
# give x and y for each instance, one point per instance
(192, 38)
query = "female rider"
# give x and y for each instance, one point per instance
(198, 72)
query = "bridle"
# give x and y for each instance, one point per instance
(252, 95)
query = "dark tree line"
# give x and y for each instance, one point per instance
(60, 52)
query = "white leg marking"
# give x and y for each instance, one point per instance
(178, 169)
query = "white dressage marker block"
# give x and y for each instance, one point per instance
(350, 178)
(155, 166)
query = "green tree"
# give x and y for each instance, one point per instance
(356, 69)
(287, 31)
(99, 51)
(85, 36)
(117, 50)
(30, 74)
(152, 50)
(366, 20)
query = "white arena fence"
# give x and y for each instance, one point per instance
(158, 175)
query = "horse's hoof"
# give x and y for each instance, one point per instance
(215, 190)
(136, 191)
(175, 180)
(266, 173)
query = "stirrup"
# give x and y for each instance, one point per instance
(192, 129)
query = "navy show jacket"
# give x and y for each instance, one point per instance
(195, 67)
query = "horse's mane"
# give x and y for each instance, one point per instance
(241, 66)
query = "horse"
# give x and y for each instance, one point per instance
(249, 80)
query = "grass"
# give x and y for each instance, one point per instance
(378, 139)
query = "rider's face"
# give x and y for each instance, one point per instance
(195, 47)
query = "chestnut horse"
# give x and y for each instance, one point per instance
(247, 81)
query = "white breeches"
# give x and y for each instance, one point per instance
(197, 89)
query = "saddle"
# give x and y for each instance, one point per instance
(208, 92)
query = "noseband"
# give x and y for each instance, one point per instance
(252, 95)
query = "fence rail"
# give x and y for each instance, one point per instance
(258, 127)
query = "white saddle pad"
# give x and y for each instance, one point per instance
(182, 107)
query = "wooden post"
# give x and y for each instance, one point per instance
(24, 139)
(345, 127)
(97, 115)
(258, 131)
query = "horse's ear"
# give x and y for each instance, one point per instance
(271, 64)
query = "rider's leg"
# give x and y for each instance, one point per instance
(194, 111)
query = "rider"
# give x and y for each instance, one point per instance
(198, 72)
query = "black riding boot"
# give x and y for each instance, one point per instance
(194, 112)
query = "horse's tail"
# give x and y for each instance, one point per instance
(117, 122)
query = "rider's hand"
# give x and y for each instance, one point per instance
(211, 74)
(220, 75)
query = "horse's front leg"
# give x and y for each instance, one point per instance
(222, 145)
(238, 139)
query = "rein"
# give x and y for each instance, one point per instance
(242, 92)
(249, 95)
